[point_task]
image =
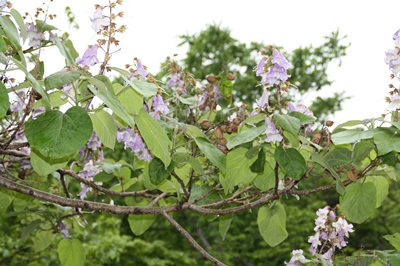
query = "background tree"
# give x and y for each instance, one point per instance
(214, 50)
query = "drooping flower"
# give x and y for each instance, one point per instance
(260, 67)
(64, 230)
(177, 83)
(315, 242)
(263, 101)
(396, 37)
(140, 71)
(159, 106)
(89, 170)
(98, 20)
(35, 37)
(279, 59)
(297, 255)
(272, 133)
(133, 140)
(89, 57)
(275, 75)
(394, 101)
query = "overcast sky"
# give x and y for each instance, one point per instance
(154, 27)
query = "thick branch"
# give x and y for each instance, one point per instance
(191, 240)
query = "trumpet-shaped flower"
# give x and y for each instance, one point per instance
(140, 71)
(272, 133)
(35, 37)
(98, 20)
(159, 106)
(89, 57)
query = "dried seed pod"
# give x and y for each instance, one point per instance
(230, 76)
(218, 133)
(211, 79)
(329, 123)
(352, 175)
(222, 141)
(205, 124)
(237, 121)
(232, 127)
(224, 128)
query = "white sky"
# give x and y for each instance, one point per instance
(154, 27)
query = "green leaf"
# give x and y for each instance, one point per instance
(225, 89)
(199, 191)
(237, 169)
(140, 223)
(20, 21)
(255, 119)
(382, 188)
(110, 100)
(304, 119)
(110, 168)
(5, 198)
(42, 240)
(321, 161)
(65, 51)
(71, 252)
(387, 140)
(245, 136)
(105, 128)
(154, 136)
(11, 32)
(121, 71)
(359, 201)
(350, 123)
(287, 122)
(4, 101)
(258, 165)
(131, 100)
(3, 48)
(291, 161)
(55, 99)
(43, 26)
(157, 171)
(45, 167)
(338, 156)
(362, 150)
(224, 224)
(34, 82)
(390, 257)
(271, 222)
(145, 88)
(351, 135)
(394, 240)
(61, 78)
(186, 100)
(266, 179)
(56, 135)
(183, 158)
(212, 153)
(27, 230)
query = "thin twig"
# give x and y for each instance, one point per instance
(191, 240)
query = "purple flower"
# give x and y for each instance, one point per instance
(159, 106)
(98, 20)
(297, 255)
(315, 242)
(84, 191)
(35, 37)
(263, 101)
(89, 171)
(177, 83)
(19, 105)
(396, 37)
(275, 75)
(64, 230)
(37, 111)
(3, 4)
(89, 57)
(279, 59)
(272, 133)
(94, 142)
(328, 255)
(260, 67)
(394, 101)
(134, 141)
(140, 71)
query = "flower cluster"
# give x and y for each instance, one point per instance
(134, 141)
(89, 57)
(274, 71)
(35, 37)
(301, 108)
(297, 256)
(140, 70)
(330, 231)
(159, 106)
(392, 59)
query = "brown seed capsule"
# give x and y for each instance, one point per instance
(316, 138)
(211, 93)
(222, 141)
(228, 96)
(218, 133)
(224, 128)
(202, 107)
(230, 76)
(233, 127)
(205, 124)
(329, 123)
(352, 175)
(237, 121)
(211, 79)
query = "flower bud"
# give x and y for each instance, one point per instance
(205, 124)
(329, 123)
(230, 76)
(211, 79)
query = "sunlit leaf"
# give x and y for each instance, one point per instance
(71, 252)
(271, 222)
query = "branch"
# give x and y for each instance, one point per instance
(191, 240)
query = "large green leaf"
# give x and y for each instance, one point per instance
(71, 252)
(56, 135)
(20, 21)
(55, 99)
(321, 161)
(5, 198)
(110, 100)
(61, 78)
(11, 32)
(304, 119)
(44, 167)
(291, 161)
(131, 100)
(212, 153)
(245, 136)
(42, 240)
(183, 158)
(27, 230)
(154, 136)
(105, 128)
(237, 169)
(271, 222)
(4, 101)
(224, 224)
(147, 89)
(387, 139)
(382, 188)
(157, 171)
(140, 223)
(359, 201)
(351, 135)
(338, 156)
(342, 126)
(65, 51)
(287, 122)
(394, 240)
